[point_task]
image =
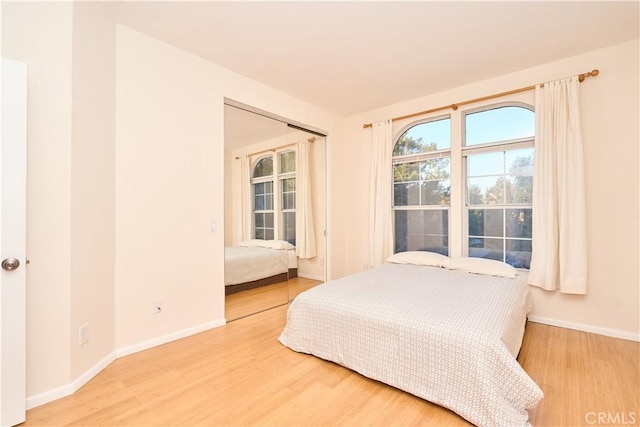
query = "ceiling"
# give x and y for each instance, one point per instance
(353, 56)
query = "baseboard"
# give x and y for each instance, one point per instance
(69, 389)
(93, 371)
(49, 396)
(310, 276)
(66, 390)
(145, 345)
(614, 333)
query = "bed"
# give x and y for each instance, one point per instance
(255, 263)
(448, 332)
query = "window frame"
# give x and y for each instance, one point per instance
(490, 147)
(275, 178)
(458, 217)
(281, 176)
(260, 180)
(417, 157)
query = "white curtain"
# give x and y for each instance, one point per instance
(380, 191)
(559, 259)
(305, 229)
(245, 205)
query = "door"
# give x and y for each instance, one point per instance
(13, 142)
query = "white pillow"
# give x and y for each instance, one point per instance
(252, 243)
(278, 244)
(271, 244)
(431, 259)
(488, 267)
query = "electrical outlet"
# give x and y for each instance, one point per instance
(365, 266)
(157, 307)
(84, 334)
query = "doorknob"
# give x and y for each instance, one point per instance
(10, 264)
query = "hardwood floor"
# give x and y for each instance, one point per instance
(300, 284)
(252, 301)
(239, 374)
(255, 300)
(584, 376)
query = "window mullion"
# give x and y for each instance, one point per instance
(504, 211)
(277, 196)
(504, 233)
(456, 212)
(498, 146)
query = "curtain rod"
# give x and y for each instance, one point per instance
(311, 140)
(455, 106)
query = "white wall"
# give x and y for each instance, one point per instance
(170, 182)
(92, 184)
(70, 56)
(169, 172)
(125, 170)
(40, 34)
(610, 115)
(609, 105)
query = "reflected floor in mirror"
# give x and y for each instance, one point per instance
(299, 285)
(253, 301)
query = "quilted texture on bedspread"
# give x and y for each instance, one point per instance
(449, 337)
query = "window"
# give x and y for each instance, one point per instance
(421, 187)
(287, 177)
(274, 216)
(262, 183)
(488, 194)
(499, 183)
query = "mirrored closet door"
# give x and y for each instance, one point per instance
(274, 186)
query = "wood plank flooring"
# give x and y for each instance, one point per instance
(583, 376)
(252, 301)
(240, 375)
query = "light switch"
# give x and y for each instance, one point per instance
(212, 226)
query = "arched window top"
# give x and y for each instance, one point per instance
(424, 137)
(264, 167)
(497, 124)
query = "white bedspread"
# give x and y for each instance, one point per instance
(447, 336)
(245, 264)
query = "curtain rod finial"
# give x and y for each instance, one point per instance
(367, 125)
(591, 73)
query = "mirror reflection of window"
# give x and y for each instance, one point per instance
(287, 178)
(262, 195)
(263, 210)
(280, 181)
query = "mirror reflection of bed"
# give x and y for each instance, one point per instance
(266, 184)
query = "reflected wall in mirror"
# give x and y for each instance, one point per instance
(275, 212)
